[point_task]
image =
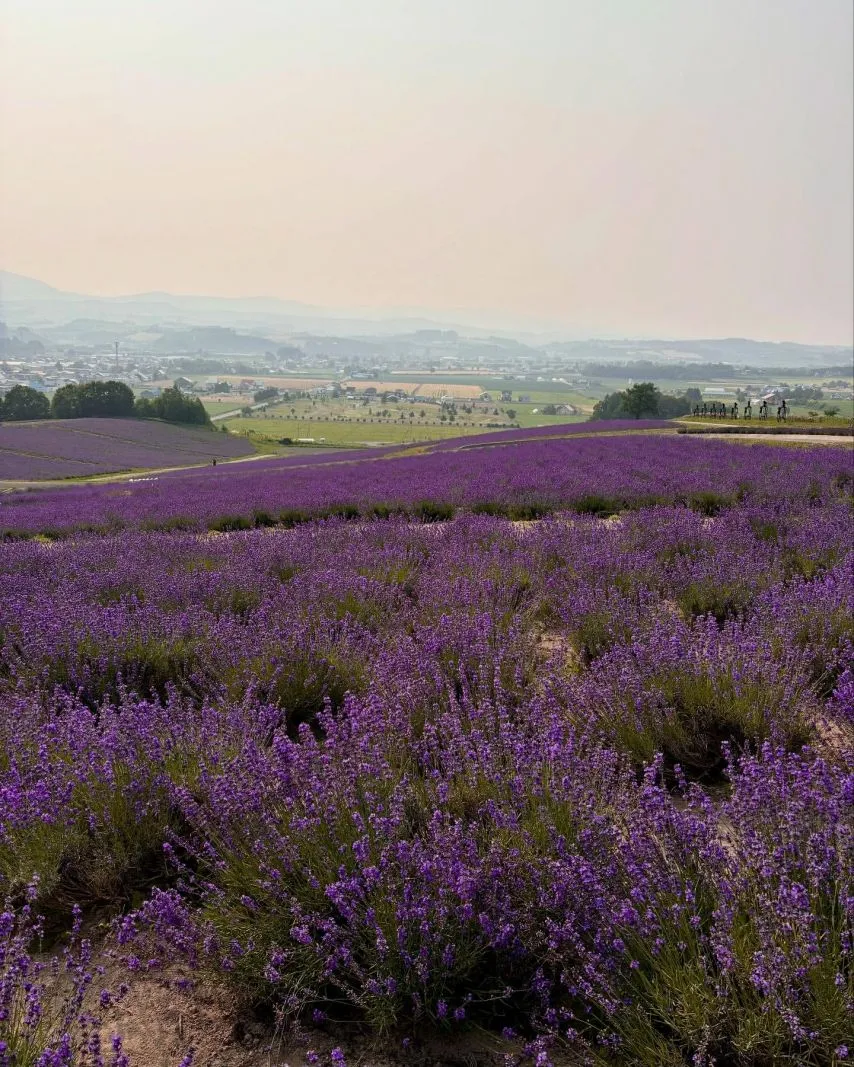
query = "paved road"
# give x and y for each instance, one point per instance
(238, 411)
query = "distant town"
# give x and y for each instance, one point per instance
(44, 363)
(279, 373)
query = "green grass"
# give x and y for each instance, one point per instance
(353, 423)
(351, 434)
(525, 416)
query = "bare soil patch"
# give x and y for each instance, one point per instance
(811, 438)
(159, 1023)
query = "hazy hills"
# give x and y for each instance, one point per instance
(27, 301)
(169, 322)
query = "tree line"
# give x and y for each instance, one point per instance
(645, 400)
(100, 400)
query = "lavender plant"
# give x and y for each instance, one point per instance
(45, 1017)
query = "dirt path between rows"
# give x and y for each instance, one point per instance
(9, 485)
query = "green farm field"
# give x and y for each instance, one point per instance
(344, 434)
(348, 423)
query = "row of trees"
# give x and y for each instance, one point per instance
(100, 400)
(173, 406)
(644, 400)
(801, 394)
(92, 400)
(673, 371)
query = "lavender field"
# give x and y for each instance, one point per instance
(600, 473)
(367, 745)
(73, 448)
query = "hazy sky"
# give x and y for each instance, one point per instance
(676, 167)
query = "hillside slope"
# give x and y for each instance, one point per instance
(66, 448)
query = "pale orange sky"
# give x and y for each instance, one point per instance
(658, 167)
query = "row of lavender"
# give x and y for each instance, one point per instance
(79, 447)
(587, 784)
(596, 473)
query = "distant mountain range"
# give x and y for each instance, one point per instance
(28, 301)
(169, 322)
(736, 350)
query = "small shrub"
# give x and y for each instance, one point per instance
(348, 512)
(708, 503)
(765, 529)
(685, 692)
(290, 517)
(262, 518)
(384, 511)
(527, 511)
(593, 504)
(230, 524)
(711, 597)
(303, 684)
(598, 631)
(433, 511)
(150, 666)
(490, 507)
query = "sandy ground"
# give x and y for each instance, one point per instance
(159, 1023)
(809, 438)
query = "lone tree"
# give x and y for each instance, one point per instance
(641, 399)
(22, 403)
(66, 402)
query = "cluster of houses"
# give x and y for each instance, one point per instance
(46, 375)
